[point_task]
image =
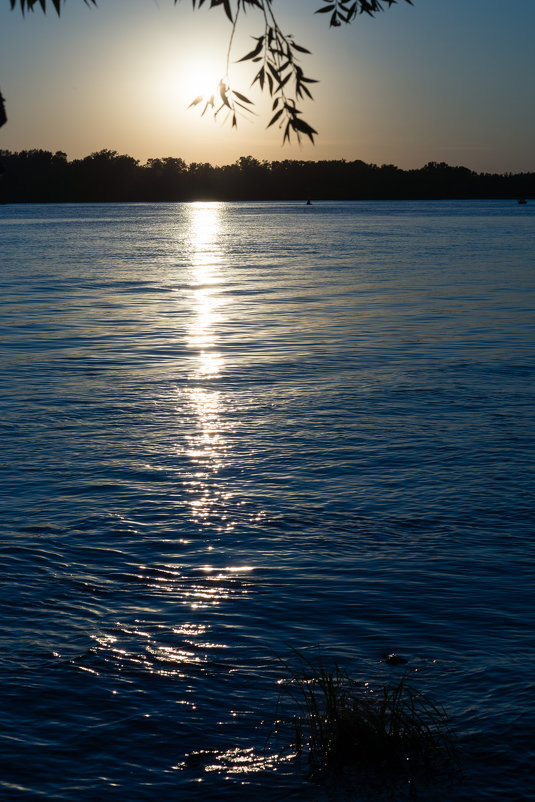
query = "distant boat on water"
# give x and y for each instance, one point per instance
(522, 200)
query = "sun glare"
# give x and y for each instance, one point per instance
(201, 79)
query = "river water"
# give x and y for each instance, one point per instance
(233, 430)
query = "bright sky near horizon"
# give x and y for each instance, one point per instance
(443, 80)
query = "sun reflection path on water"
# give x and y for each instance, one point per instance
(156, 648)
(207, 257)
(205, 443)
(173, 607)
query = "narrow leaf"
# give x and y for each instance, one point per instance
(300, 49)
(253, 52)
(274, 118)
(241, 97)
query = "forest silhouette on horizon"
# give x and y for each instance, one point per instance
(40, 176)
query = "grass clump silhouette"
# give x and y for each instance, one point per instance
(342, 724)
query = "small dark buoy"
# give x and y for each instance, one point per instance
(394, 659)
(309, 202)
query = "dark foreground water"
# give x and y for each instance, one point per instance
(230, 430)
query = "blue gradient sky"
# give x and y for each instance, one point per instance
(444, 80)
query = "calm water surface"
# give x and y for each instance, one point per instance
(231, 430)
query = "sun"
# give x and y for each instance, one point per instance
(201, 78)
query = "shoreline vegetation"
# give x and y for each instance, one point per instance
(40, 176)
(391, 733)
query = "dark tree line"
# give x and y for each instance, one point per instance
(39, 176)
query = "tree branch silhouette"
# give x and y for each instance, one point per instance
(275, 56)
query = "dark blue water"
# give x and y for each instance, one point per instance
(232, 430)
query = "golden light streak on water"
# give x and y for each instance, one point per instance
(207, 445)
(206, 260)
